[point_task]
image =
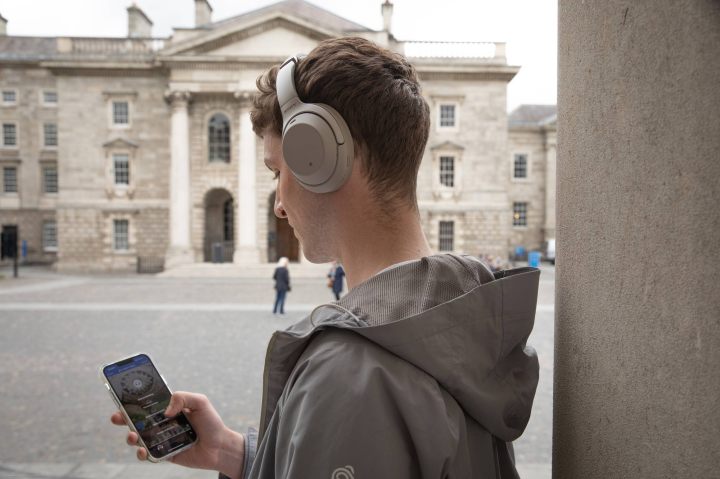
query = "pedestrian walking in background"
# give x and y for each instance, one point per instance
(336, 277)
(282, 285)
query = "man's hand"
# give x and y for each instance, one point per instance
(217, 448)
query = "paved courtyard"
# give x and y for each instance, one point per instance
(206, 335)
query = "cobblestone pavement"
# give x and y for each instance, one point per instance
(206, 335)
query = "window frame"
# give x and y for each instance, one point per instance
(444, 237)
(49, 248)
(43, 169)
(44, 135)
(5, 168)
(47, 104)
(527, 178)
(2, 135)
(520, 218)
(114, 158)
(447, 173)
(115, 223)
(456, 115)
(9, 103)
(207, 138)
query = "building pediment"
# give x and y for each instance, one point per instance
(120, 143)
(447, 145)
(277, 34)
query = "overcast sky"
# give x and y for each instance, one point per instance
(528, 26)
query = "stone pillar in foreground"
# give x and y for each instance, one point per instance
(637, 338)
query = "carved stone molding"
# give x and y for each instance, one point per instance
(178, 99)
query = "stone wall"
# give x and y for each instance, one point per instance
(30, 229)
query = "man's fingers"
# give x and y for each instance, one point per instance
(185, 401)
(132, 438)
(117, 419)
(142, 454)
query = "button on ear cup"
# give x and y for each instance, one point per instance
(310, 150)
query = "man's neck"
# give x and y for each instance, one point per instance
(369, 246)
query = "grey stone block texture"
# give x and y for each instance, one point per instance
(637, 340)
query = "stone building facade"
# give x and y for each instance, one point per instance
(138, 153)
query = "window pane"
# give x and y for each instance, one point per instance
(219, 138)
(520, 214)
(10, 179)
(520, 166)
(49, 235)
(9, 134)
(50, 179)
(121, 115)
(121, 167)
(50, 130)
(50, 97)
(447, 171)
(9, 96)
(447, 235)
(120, 234)
(447, 115)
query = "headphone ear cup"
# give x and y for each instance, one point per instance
(312, 151)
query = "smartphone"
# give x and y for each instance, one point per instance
(142, 395)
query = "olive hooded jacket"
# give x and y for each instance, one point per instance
(422, 371)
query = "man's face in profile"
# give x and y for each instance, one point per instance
(307, 212)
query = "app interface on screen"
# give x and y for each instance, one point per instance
(145, 397)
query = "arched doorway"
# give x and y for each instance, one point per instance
(219, 239)
(281, 239)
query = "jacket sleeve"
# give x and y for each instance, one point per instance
(354, 410)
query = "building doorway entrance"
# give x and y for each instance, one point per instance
(219, 241)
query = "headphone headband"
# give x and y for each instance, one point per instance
(285, 85)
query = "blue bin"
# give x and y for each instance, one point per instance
(534, 259)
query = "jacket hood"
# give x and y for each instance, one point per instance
(451, 317)
(467, 328)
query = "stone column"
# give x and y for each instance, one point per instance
(637, 334)
(180, 250)
(246, 248)
(550, 168)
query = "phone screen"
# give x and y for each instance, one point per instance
(144, 396)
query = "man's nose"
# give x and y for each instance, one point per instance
(279, 210)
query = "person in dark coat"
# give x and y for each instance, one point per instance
(336, 276)
(282, 285)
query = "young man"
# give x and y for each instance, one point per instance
(422, 369)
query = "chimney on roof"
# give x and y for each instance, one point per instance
(387, 11)
(3, 25)
(139, 25)
(203, 13)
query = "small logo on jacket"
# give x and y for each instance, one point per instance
(346, 472)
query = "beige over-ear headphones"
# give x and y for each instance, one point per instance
(316, 141)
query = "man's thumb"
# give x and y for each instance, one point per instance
(176, 405)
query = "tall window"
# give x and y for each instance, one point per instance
(520, 165)
(50, 179)
(219, 138)
(120, 113)
(50, 97)
(520, 214)
(10, 179)
(447, 235)
(228, 220)
(121, 235)
(9, 97)
(9, 134)
(447, 171)
(49, 235)
(447, 115)
(121, 168)
(50, 134)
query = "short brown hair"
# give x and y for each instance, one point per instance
(378, 94)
